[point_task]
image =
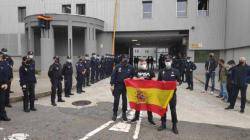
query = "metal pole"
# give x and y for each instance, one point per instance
(115, 26)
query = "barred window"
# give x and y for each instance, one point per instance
(21, 14)
(147, 9)
(181, 8)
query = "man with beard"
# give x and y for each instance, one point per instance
(144, 74)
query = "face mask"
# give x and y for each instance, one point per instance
(31, 56)
(142, 67)
(87, 58)
(5, 53)
(168, 65)
(188, 60)
(69, 60)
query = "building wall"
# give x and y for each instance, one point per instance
(238, 30)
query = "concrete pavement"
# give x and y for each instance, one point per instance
(201, 116)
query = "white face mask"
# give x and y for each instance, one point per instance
(168, 65)
(188, 60)
(31, 56)
(4, 52)
(69, 60)
(142, 67)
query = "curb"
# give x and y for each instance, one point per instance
(202, 82)
(38, 95)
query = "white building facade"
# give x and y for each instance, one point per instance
(193, 27)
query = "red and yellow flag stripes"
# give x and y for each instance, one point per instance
(150, 95)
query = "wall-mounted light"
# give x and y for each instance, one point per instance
(134, 40)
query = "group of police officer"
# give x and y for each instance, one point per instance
(88, 70)
(167, 72)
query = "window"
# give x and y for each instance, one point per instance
(181, 8)
(80, 9)
(21, 14)
(147, 9)
(201, 56)
(203, 7)
(66, 9)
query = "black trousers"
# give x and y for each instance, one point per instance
(150, 115)
(236, 90)
(29, 96)
(67, 85)
(2, 104)
(56, 88)
(118, 91)
(97, 76)
(230, 92)
(173, 111)
(79, 84)
(7, 94)
(189, 79)
(92, 76)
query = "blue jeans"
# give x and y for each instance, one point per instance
(223, 90)
(208, 76)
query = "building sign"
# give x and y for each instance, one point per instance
(196, 45)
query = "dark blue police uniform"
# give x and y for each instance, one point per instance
(4, 79)
(171, 74)
(120, 73)
(189, 68)
(80, 69)
(55, 75)
(67, 72)
(27, 82)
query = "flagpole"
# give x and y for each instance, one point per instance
(115, 26)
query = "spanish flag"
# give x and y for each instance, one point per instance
(150, 95)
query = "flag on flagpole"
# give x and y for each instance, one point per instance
(150, 95)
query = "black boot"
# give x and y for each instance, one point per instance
(124, 116)
(162, 127)
(174, 129)
(135, 119)
(53, 104)
(151, 121)
(5, 118)
(242, 111)
(229, 107)
(114, 117)
(61, 100)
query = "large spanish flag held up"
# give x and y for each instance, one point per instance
(150, 95)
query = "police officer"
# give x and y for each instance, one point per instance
(93, 68)
(169, 74)
(87, 67)
(67, 72)
(144, 74)
(27, 83)
(80, 69)
(98, 68)
(10, 63)
(119, 74)
(55, 75)
(102, 69)
(189, 68)
(4, 79)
